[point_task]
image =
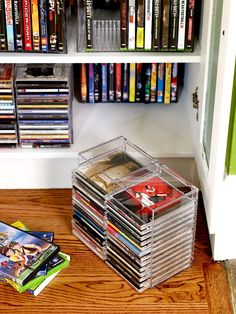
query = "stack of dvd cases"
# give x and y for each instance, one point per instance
(93, 180)
(44, 97)
(8, 129)
(136, 25)
(32, 25)
(134, 213)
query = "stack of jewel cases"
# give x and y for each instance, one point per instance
(134, 213)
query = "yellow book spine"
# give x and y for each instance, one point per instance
(132, 82)
(168, 69)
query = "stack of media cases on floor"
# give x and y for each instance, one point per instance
(44, 105)
(134, 213)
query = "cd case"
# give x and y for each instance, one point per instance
(134, 213)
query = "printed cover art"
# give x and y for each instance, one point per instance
(22, 254)
(104, 172)
(144, 198)
(49, 72)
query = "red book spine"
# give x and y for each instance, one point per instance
(27, 25)
(118, 82)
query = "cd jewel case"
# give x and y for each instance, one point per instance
(134, 213)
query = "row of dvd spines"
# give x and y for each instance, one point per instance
(136, 215)
(32, 25)
(129, 82)
(151, 25)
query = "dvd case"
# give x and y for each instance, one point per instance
(134, 213)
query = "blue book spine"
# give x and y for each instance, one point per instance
(125, 92)
(160, 83)
(104, 82)
(91, 83)
(43, 25)
(9, 25)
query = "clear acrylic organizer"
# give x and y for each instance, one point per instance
(134, 213)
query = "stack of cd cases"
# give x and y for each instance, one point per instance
(134, 213)
(44, 98)
(8, 129)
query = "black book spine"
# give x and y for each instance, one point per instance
(18, 24)
(52, 26)
(190, 25)
(174, 19)
(165, 25)
(139, 82)
(96, 71)
(59, 25)
(157, 25)
(2, 26)
(124, 22)
(89, 26)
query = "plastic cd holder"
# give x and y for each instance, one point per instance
(8, 128)
(134, 213)
(44, 105)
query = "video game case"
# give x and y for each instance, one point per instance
(59, 24)
(174, 20)
(43, 15)
(160, 83)
(3, 43)
(139, 82)
(35, 24)
(111, 82)
(9, 25)
(182, 25)
(189, 43)
(91, 83)
(104, 82)
(140, 24)
(18, 25)
(125, 87)
(174, 83)
(27, 25)
(148, 24)
(157, 21)
(147, 83)
(52, 25)
(132, 77)
(83, 82)
(96, 71)
(132, 24)
(89, 24)
(165, 25)
(153, 82)
(118, 82)
(168, 69)
(124, 24)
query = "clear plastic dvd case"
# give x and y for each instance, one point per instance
(98, 27)
(134, 213)
(44, 105)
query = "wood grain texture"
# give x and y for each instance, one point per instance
(88, 285)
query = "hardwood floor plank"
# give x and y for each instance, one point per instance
(217, 288)
(88, 285)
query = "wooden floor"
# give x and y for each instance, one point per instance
(89, 286)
